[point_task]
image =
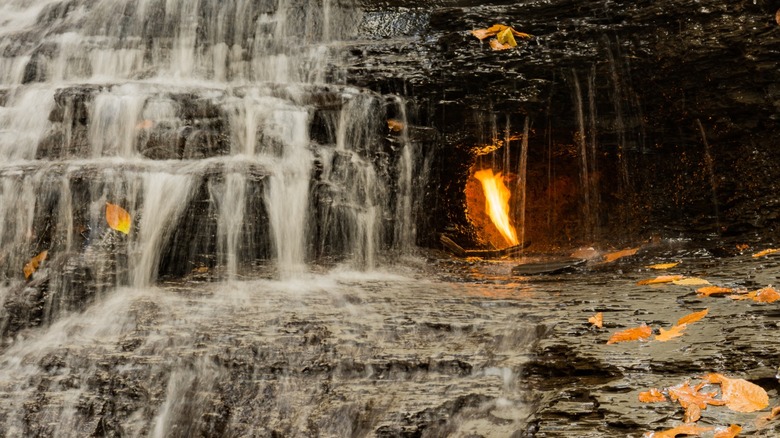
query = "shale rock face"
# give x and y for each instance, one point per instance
(646, 117)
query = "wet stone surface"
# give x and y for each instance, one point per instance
(441, 347)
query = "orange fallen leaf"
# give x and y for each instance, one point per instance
(652, 396)
(686, 395)
(118, 218)
(727, 432)
(685, 429)
(495, 30)
(742, 246)
(662, 266)
(395, 125)
(612, 256)
(661, 279)
(713, 290)
(692, 281)
(738, 394)
(765, 295)
(765, 252)
(674, 332)
(693, 317)
(597, 320)
(632, 334)
(763, 420)
(33, 264)
(692, 414)
(495, 45)
(523, 35)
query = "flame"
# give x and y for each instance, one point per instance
(497, 195)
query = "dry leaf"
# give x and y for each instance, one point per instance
(686, 395)
(763, 420)
(495, 45)
(597, 320)
(692, 414)
(495, 30)
(632, 334)
(765, 295)
(685, 429)
(523, 35)
(672, 333)
(118, 218)
(395, 125)
(33, 264)
(506, 37)
(707, 291)
(727, 432)
(612, 256)
(742, 246)
(652, 396)
(661, 279)
(693, 317)
(765, 252)
(489, 32)
(693, 281)
(662, 266)
(481, 33)
(739, 394)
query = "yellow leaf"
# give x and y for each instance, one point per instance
(727, 432)
(33, 264)
(652, 396)
(765, 252)
(662, 266)
(661, 279)
(612, 256)
(495, 45)
(693, 317)
(118, 218)
(395, 125)
(672, 333)
(632, 334)
(739, 394)
(685, 429)
(693, 281)
(506, 37)
(713, 290)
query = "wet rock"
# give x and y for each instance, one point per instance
(647, 75)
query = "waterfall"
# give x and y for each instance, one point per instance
(214, 125)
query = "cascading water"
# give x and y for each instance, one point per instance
(212, 123)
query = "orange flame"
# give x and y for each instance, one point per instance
(497, 195)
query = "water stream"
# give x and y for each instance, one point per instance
(217, 126)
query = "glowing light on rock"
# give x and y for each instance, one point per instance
(497, 196)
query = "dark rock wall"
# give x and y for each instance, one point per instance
(680, 98)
